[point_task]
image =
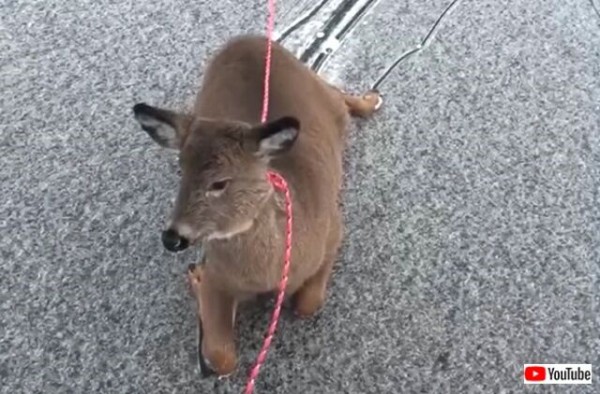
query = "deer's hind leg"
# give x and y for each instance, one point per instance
(361, 106)
(365, 105)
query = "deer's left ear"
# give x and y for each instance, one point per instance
(275, 137)
(165, 127)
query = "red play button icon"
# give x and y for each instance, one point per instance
(535, 373)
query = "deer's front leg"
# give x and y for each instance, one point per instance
(216, 313)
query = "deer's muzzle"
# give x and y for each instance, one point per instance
(173, 241)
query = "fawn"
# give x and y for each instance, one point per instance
(225, 201)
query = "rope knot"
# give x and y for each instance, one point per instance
(277, 180)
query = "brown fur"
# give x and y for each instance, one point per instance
(218, 140)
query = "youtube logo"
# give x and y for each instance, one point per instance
(535, 373)
(557, 374)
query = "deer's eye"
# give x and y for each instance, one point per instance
(219, 185)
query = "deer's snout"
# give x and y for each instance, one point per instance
(173, 241)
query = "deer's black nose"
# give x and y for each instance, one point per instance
(174, 242)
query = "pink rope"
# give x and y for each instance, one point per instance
(281, 185)
(270, 28)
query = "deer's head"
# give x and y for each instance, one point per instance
(223, 171)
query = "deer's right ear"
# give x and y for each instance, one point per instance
(165, 127)
(273, 138)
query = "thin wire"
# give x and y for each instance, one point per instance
(595, 7)
(417, 48)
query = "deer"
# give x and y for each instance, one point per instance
(225, 203)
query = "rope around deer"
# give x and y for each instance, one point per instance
(280, 184)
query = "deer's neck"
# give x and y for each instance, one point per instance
(249, 261)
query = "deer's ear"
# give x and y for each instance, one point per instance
(275, 137)
(163, 126)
